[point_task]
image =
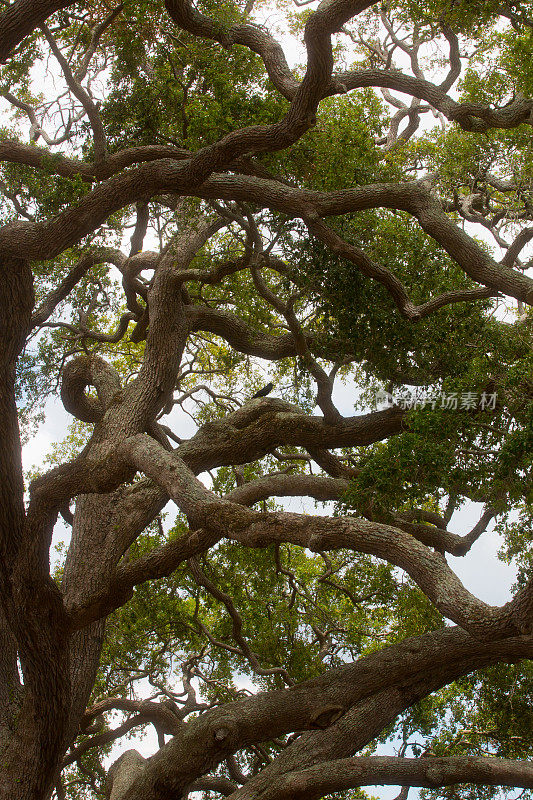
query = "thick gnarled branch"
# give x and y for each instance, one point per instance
(353, 699)
(428, 569)
(336, 776)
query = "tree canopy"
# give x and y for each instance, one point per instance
(335, 199)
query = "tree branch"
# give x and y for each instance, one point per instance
(428, 569)
(368, 687)
(22, 17)
(340, 775)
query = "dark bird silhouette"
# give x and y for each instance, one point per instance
(264, 391)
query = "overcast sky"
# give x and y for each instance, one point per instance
(481, 571)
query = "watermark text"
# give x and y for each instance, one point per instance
(452, 401)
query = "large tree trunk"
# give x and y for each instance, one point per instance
(88, 568)
(31, 625)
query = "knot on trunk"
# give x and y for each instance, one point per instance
(326, 716)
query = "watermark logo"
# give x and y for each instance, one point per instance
(452, 401)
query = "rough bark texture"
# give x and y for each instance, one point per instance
(51, 635)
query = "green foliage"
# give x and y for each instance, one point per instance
(301, 612)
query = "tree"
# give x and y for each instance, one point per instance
(191, 219)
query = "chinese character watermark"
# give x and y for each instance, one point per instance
(452, 401)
